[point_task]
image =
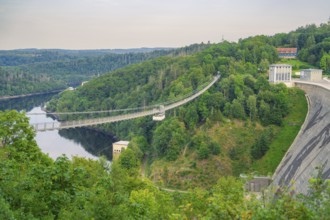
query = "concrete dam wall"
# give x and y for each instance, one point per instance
(311, 148)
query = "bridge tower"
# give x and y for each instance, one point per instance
(161, 115)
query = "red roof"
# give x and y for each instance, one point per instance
(286, 50)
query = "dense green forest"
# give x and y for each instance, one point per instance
(33, 186)
(13, 82)
(33, 71)
(41, 71)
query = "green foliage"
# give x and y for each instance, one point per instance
(205, 146)
(191, 117)
(251, 104)
(140, 146)
(285, 136)
(169, 139)
(128, 159)
(34, 71)
(262, 144)
(6, 212)
(215, 148)
(15, 129)
(143, 204)
(87, 189)
(203, 152)
(312, 42)
(227, 199)
(325, 62)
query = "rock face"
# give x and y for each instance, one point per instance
(311, 148)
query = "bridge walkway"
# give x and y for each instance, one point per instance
(150, 110)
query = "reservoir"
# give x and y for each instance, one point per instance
(82, 142)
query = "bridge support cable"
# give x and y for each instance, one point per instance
(159, 110)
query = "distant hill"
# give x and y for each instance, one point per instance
(31, 55)
(32, 70)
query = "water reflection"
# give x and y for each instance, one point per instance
(26, 103)
(71, 142)
(94, 142)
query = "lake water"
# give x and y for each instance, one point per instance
(80, 142)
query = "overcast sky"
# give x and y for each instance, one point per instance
(96, 24)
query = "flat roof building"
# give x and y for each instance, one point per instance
(313, 75)
(280, 73)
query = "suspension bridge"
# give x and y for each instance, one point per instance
(158, 112)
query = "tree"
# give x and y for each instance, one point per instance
(196, 76)
(261, 146)
(264, 112)
(127, 159)
(203, 151)
(251, 104)
(6, 212)
(226, 201)
(169, 138)
(191, 117)
(143, 205)
(139, 145)
(263, 65)
(237, 109)
(310, 41)
(15, 129)
(215, 148)
(325, 62)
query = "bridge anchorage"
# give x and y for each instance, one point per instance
(157, 111)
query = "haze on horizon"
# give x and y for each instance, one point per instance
(107, 24)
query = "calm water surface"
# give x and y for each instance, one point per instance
(80, 142)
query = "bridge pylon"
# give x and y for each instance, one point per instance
(161, 115)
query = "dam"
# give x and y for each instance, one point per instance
(310, 150)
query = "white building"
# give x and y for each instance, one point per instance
(280, 73)
(117, 147)
(313, 75)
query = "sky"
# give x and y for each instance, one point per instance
(110, 24)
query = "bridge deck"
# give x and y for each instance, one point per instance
(96, 121)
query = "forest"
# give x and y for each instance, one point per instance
(34, 71)
(33, 186)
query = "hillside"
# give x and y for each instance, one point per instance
(313, 43)
(236, 127)
(243, 95)
(33, 186)
(32, 71)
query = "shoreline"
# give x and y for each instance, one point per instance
(30, 94)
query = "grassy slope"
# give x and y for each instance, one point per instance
(297, 65)
(285, 136)
(189, 172)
